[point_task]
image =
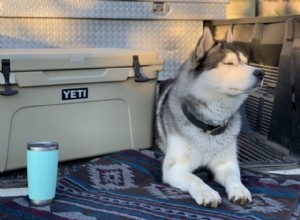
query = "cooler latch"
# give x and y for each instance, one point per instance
(6, 74)
(139, 76)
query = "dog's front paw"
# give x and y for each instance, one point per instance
(239, 195)
(206, 196)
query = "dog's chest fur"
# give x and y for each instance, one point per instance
(193, 142)
(201, 147)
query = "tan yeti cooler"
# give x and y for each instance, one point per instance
(90, 101)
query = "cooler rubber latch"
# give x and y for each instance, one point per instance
(6, 74)
(139, 76)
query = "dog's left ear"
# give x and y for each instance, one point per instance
(205, 43)
(228, 36)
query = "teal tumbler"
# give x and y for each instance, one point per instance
(42, 164)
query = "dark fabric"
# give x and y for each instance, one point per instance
(127, 185)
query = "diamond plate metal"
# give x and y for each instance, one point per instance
(108, 23)
(173, 39)
(194, 9)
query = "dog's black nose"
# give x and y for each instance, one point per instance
(259, 74)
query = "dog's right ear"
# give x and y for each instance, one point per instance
(228, 36)
(205, 43)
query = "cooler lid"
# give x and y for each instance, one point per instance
(40, 67)
(67, 59)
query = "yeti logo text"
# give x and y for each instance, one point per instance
(80, 93)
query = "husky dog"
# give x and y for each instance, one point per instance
(198, 120)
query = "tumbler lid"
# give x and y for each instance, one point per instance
(42, 146)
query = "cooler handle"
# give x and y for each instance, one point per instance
(139, 76)
(6, 74)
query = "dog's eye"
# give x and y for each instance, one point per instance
(228, 63)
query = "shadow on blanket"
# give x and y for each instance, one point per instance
(127, 185)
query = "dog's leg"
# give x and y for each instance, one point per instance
(177, 171)
(227, 173)
(177, 175)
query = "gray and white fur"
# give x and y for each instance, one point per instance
(211, 86)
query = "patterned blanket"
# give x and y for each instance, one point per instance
(127, 185)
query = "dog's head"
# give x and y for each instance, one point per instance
(222, 68)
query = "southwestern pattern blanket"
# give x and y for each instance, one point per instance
(127, 185)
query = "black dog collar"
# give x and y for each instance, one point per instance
(211, 129)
